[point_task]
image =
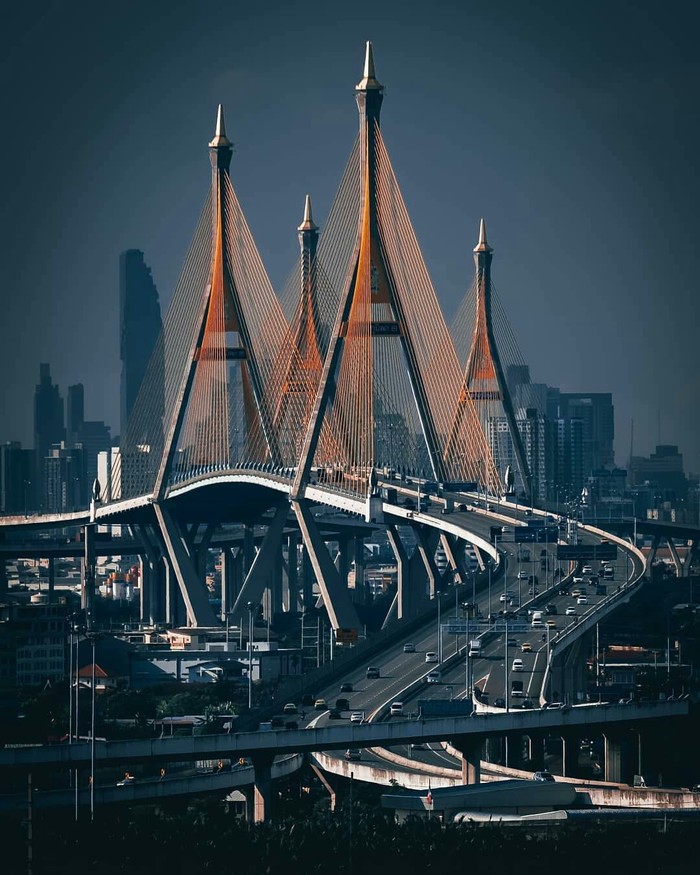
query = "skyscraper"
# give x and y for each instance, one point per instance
(139, 323)
(75, 412)
(49, 428)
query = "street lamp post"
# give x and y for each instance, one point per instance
(93, 639)
(250, 655)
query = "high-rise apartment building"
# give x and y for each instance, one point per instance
(139, 324)
(597, 415)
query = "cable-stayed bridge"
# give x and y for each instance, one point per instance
(254, 409)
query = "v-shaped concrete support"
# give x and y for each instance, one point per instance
(336, 597)
(193, 590)
(262, 568)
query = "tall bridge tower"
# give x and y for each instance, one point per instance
(390, 376)
(484, 383)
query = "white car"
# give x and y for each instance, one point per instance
(587, 569)
(357, 717)
(430, 656)
(582, 600)
(523, 575)
(433, 677)
(505, 597)
(518, 665)
(409, 648)
(570, 611)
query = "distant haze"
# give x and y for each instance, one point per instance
(573, 128)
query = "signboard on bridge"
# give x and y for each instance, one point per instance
(476, 627)
(445, 707)
(346, 636)
(539, 534)
(582, 552)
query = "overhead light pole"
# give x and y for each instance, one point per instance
(250, 607)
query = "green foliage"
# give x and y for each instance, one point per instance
(203, 835)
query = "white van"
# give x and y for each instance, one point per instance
(537, 621)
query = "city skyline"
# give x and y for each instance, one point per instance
(599, 242)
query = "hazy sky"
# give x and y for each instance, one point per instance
(572, 127)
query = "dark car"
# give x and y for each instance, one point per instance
(346, 687)
(334, 714)
(277, 723)
(512, 642)
(543, 776)
(291, 724)
(499, 703)
(308, 700)
(342, 704)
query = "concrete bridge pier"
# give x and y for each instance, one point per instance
(570, 747)
(619, 760)
(175, 612)
(427, 545)
(360, 596)
(291, 593)
(514, 750)
(263, 787)
(263, 582)
(471, 749)
(567, 681)
(145, 588)
(536, 752)
(411, 579)
(248, 547)
(336, 598)
(307, 578)
(342, 560)
(226, 561)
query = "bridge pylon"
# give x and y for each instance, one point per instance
(386, 393)
(484, 385)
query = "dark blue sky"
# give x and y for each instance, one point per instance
(573, 128)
